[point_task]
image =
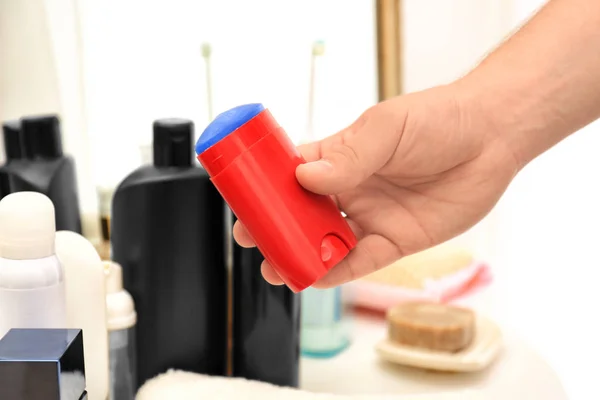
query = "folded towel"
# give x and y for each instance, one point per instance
(190, 386)
(381, 296)
(413, 272)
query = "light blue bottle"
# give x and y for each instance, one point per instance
(325, 326)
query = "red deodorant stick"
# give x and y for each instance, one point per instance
(252, 163)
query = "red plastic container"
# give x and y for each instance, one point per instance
(252, 162)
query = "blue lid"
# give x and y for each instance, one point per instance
(225, 123)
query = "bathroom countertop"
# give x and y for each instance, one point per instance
(518, 372)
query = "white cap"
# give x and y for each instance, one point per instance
(120, 309)
(27, 226)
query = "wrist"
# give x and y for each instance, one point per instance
(481, 124)
(516, 113)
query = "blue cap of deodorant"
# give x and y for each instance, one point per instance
(225, 123)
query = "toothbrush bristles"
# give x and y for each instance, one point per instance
(206, 50)
(318, 48)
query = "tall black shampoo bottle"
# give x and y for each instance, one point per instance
(168, 234)
(44, 168)
(266, 324)
(13, 150)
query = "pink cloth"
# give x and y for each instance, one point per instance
(380, 297)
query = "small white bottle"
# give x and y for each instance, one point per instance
(121, 326)
(85, 290)
(32, 293)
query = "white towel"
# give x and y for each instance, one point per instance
(185, 385)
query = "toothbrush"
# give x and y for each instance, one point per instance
(206, 53)
(318, 50)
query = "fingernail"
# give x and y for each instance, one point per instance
(319, 167)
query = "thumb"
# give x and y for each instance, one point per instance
(349, 157)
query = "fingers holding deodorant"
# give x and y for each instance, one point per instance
(367, 256)
(353, 265)
(343, 161)
(336, 164)
(241, 235)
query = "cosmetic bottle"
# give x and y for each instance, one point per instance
(168, 235)
(45, 169)
(325, 323)
(121, 327)
(266, 324)
(252, 162)
(13, 150)
(32, 292)
(85, 292)
(42, 364)
(4, 188)
(105, 196)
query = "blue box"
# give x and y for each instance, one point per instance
(42, 364)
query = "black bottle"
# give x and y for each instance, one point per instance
(168, 234)
(266, 324)
(13, 149)
(45, 169)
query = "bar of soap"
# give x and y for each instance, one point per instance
(431, 326)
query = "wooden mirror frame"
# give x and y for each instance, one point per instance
(389, 48)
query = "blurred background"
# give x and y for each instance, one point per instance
(110, 68)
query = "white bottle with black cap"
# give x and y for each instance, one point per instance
(32, 293)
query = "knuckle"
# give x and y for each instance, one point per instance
(352, 159)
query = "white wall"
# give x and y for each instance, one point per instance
(27, 71)
(40, 73)
(445, 39)
(146, 65)
(66, 43)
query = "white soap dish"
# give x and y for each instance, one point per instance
(484, 349)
